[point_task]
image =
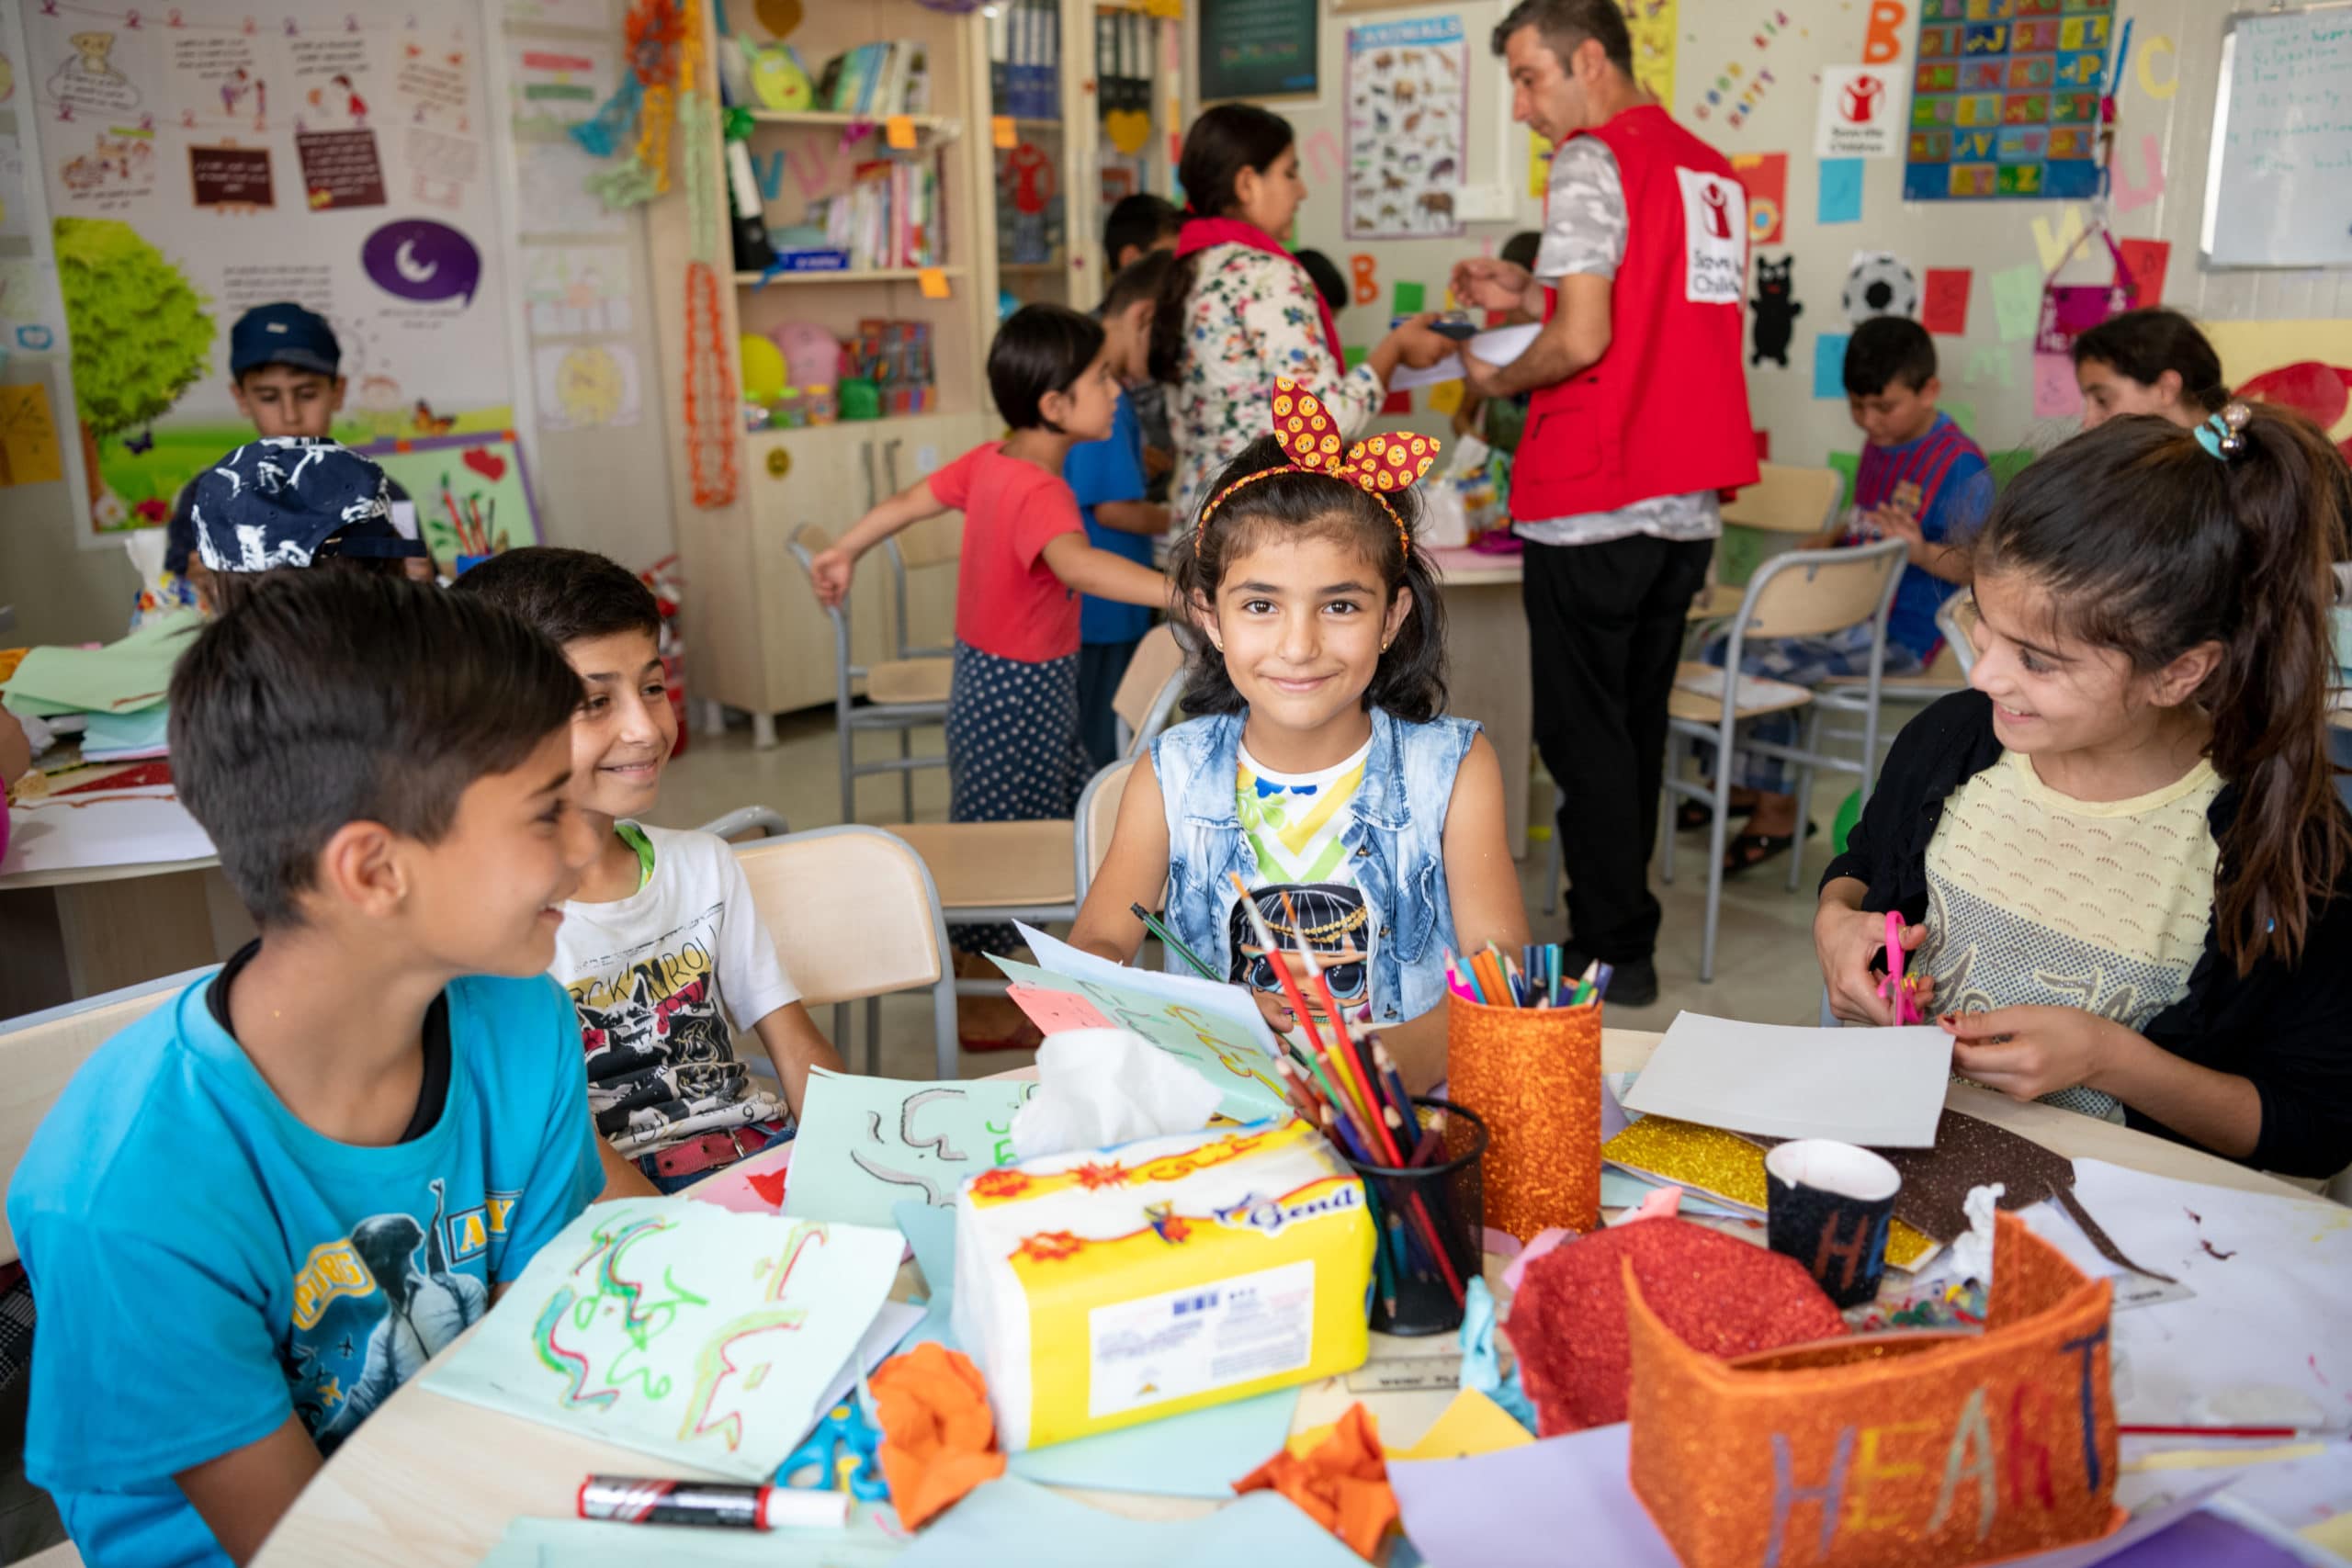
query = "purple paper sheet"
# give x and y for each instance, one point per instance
(1515, 1507)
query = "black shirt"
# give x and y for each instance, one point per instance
(2289, 1031)
(431, 1092)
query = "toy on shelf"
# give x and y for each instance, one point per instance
(778, 79)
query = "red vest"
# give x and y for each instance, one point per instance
(1665, 411)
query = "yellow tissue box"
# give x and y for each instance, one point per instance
(1107, 1288)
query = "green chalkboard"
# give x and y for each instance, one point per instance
(1259, 48)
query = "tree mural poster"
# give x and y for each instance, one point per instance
(204, 159)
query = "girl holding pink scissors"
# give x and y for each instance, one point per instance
(2117, 873)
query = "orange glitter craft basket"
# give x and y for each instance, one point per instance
(1534, 1075)
(1887, 1450)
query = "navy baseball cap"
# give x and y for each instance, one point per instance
(284, 333)
(291, 501)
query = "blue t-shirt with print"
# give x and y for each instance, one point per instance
(205, 1264)
(1110, 469)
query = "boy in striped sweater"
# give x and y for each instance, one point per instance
(1921, 480)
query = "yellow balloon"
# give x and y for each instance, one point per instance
(779, 17)
(762, 368)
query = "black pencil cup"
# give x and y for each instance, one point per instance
(1429, 1228)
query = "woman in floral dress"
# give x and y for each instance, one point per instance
(1238, 312)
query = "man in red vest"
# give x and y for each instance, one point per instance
(1637, 416)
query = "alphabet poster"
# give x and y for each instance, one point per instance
(204, 158)
(2005, 100)
(1408, 129)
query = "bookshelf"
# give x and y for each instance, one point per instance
(757, 639)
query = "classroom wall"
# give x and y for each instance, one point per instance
(1987, 374)
(597, 456)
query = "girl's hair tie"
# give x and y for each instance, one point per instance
(2223, 436)
(1378, 466)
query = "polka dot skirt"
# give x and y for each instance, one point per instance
(1013, 753)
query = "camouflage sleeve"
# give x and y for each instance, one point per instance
(1584, 220)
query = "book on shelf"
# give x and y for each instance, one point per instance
(1024, 59)
(878, 80)
(889, 218)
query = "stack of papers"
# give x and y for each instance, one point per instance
(117, 680)
(1879, 1088)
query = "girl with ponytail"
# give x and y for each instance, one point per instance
(2123, 865)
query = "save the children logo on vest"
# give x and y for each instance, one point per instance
(1714, 237)
(1858, 117)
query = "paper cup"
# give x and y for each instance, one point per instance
(1829, 1206)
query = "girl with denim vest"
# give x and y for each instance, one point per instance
(2122, 863)
(1318, 764)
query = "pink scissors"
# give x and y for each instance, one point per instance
(1895, 988)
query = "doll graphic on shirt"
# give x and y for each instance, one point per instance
(1338, 929)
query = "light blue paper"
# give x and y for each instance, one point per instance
(1011, 1522)
(594, 1543)
(1197, 1454)
(1829, 372)
(1841, 190)
(867, 1145)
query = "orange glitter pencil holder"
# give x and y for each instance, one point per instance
(1887, 1450)
(1534, 1075)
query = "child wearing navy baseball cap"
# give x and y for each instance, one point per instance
(285, 374)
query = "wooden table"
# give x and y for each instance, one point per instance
(1487, 670)
(430, 1482)
(69, 934)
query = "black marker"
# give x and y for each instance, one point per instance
(723, 1504)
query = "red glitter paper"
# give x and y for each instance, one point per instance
(1723, 1296)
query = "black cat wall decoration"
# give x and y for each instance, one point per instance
(1777, 310)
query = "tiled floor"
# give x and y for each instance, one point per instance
(1764, 969)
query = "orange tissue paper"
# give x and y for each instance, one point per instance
(938, 1438)
(1342, 1485)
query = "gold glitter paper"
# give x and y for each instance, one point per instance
(1726, 1165)
(1887, 1451)
(1534, 1075)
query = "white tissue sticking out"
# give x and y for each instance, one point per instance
(1100, 1087)
(1972, 1255)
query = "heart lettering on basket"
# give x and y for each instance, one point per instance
(486, 463)
(1129, 130)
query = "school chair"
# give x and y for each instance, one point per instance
(1801, 594)
(767, 823)
(1846, 695)
(1785, 500)
(41, 1051)
(1037, 871)
(855, 915)
(902, 694)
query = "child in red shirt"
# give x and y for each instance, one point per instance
(1014, 752)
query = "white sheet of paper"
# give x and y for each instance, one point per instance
(1883, 1087)
(127, 827)
(2261, 1341)
(1225, 1002)
(1748, 691)
(891, 1324)
(1498, 348)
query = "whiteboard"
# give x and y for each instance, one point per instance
(2279, 176)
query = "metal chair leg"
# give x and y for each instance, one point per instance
(1556, 860)
(1804, 798)
(906, 776)
(1717, 831)
(841, 1040)
(873, 1037)
(1667, 807)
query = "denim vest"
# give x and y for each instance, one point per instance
(1396, 836)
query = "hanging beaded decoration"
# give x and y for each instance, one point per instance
(711, 417)
(661, 41)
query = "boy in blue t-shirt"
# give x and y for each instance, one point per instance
(1108, 479)
(258, 1211)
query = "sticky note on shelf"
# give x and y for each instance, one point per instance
(933, 282)
(1002, 134)
(1408, 298)
(898, 132)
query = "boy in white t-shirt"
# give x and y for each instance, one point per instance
(660, 948)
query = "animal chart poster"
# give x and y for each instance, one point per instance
(2005, 100)
(204, 158)
(1408, 129)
